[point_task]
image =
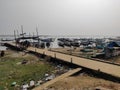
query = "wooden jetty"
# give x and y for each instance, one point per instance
(67, 74)
(107, 68)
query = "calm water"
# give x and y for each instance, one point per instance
(2, 48)
(4, 37)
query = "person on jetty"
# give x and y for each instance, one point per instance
(2, 53)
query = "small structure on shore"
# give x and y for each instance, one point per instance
(112, 49)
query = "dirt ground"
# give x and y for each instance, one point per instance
(84, 82)
(79, 82)
(115, 59)
(77, 52)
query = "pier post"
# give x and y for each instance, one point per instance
(44, 53)
(71, 60)
(55, 55)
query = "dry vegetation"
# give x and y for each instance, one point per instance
(84, 82)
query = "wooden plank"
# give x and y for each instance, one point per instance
(69, 73)
(107, 68)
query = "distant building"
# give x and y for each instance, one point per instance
(114, 44)
(112, 49)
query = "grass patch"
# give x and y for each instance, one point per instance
(10, 71)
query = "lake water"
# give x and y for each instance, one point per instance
(2, 48)
(4, 37)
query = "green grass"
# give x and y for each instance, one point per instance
(10, 71)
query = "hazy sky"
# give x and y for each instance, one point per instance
(61, 17)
